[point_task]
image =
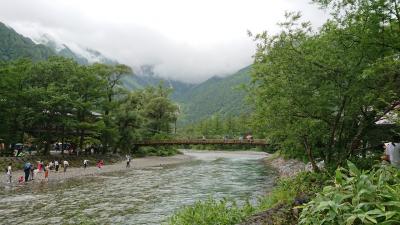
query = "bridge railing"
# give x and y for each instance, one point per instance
(202, 141)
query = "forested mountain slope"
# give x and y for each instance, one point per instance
(222, 95)
(145, 76)
(216, 95)
(14, 46)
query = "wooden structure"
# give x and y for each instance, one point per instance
(255, 142)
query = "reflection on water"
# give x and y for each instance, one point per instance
(145, 196)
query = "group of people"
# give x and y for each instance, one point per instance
(30, 170)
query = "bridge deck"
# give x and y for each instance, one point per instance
(261, 142)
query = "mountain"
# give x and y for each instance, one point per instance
(80, 54)
(217, 95)
(220, 95)
(145, 76)
(14, 46)
(60, 49)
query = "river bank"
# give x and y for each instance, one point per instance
(289, 192)
(75, 171)
(285, 167)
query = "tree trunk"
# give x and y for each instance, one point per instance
(355, 142)
(62, 140)
(47, 147)
(309, 154)
(332, 139)
(81, 138)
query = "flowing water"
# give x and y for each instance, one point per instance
(139, 196)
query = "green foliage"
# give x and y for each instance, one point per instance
(217, 126)
(357, 197)
(218, 96)
(320, 93)
(15, 46)
(222, 96)
(304, 184)
(212, 211)
(156, 151)
(58, 100)
(159, 110)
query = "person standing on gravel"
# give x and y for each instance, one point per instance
(85, 163)
(100, 164)
(32, 170)
(57, 165)
(128, 161)
(9, 173)
(46, 172)
(27, 170)
(66, 164)
(40, 166)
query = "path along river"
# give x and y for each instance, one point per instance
(139, 196)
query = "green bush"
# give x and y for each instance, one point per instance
(304, 184)
(156, 151)
(357, 197)
(212, 211)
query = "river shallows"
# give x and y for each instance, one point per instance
(140, 196)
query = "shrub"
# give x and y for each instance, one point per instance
(156, 151)
(223, 212)
(357, 197)
(304, 184)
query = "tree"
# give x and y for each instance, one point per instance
(111, 75)
(129, 120)
(13, 114)
(158, 110)
(59, 100)
(49, 101)
(321, 91)
(86, 91)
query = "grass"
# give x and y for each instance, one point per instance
(304, 185)
(211, 211)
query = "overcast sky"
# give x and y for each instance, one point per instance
(184, 39)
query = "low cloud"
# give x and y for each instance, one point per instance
(211, 46)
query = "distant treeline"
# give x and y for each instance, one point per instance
(59, 100)
(218, 126)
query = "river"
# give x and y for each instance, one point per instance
(139, 196)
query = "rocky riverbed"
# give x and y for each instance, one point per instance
(92, 170)
(285, 167)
